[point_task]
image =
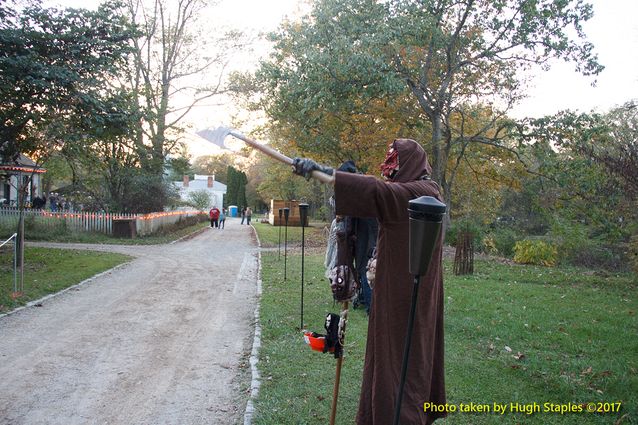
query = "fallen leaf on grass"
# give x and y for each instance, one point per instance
(508, 349)
(518, 356)
(586, 371)
(621, 419)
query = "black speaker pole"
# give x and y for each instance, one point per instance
(286, 215)
(303, 215)
(426, 215)
(281, 211)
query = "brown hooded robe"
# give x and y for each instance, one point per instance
(366, 196)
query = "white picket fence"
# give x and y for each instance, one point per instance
(98, 222)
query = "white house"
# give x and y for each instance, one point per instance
(23, 173)
(216, 189)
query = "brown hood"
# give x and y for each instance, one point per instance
(413, 161)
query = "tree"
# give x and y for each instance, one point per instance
(587, 167)
(180, 165)
(236, 187)
(54, 69)
(216, 165)
(199, 199)
(442, 58)
(280, 183)
(578, 191)
(172, 57)
(612, 141)
(55, 86)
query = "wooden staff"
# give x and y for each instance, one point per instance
(335, 392)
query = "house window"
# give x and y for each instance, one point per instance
(6, 192)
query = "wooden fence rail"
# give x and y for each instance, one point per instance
(98, 222)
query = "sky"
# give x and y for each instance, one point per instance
(613, 30)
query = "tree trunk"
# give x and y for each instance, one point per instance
(436, 160)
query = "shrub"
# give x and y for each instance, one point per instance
(501, 241)
(594, 254)
(465, 225)
(489, 244)
(200, 199)
(578, 247)
(537, 252)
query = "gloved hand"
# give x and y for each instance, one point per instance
(305, 167)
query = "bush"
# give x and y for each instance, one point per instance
(466, 225)
(200, 199)
(537, 252)
(500, 241)
(578, 247)
(593, 254)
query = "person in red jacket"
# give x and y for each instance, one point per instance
(214, 217)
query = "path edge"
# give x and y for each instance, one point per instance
(255, 381)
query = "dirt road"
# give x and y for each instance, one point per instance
(162, 340)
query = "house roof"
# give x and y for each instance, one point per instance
(23, 164)
(201, 183)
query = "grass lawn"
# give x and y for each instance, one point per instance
(514, 334)
(269, 236)
(50, 270)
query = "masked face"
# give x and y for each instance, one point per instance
(391, 163)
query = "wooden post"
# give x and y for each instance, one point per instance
(464, 256)
(335, 391)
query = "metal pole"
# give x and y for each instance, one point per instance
(20, 237)
(22, 254)
(406, 350)
(302, 270)
(15, 262)
(303, 215)
(281, 211)
(286, 214)
(426, 215)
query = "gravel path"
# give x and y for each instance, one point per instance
(164, 339)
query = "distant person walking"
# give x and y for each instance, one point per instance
(249, 214)
(214, 217)
(53, 201)
(222, 218)
(243, 214)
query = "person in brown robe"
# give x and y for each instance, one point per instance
(407, 172)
